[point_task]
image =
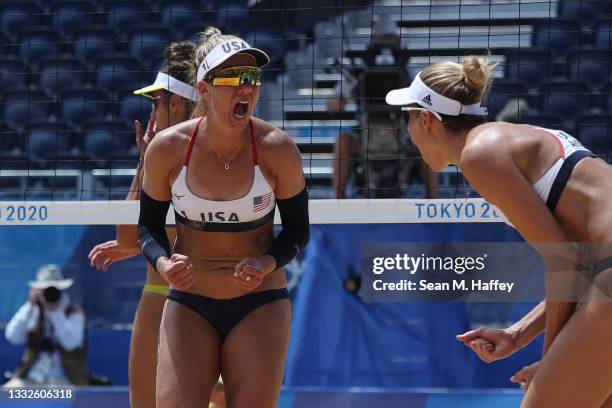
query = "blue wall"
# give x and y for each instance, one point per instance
(337, 340)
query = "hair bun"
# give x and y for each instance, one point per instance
(180, 51)
(477, 73)
(209, 33)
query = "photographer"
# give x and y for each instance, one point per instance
(53, 331)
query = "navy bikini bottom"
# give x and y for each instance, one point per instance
(602, 265)
(224, 314)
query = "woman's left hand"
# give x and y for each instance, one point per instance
(249, 274)
(102, 256)
(525, 375)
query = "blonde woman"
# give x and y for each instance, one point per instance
(228, 310)
(553, 190)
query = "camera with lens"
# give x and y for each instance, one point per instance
(51, 294)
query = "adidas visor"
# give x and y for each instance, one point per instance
(430, 101)
(226, 49)
(170, 84)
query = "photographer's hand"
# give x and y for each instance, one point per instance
(35, 296)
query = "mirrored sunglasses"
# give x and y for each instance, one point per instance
(236, 76)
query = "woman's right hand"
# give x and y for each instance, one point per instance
(490, 344)
(102, 256)
(177, 271)
(144, 138)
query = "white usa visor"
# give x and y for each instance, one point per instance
(430, 100)
(226, 49)
(171, 84)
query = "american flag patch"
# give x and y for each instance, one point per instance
(261, 202)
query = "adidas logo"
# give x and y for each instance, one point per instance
(427, 99)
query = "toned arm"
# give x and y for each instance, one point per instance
(291, 199)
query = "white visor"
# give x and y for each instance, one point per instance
(170, 84)
(422, 95)
(226, 49)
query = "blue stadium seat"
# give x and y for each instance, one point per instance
(21, 107)
(11, 141)
(502, 92)
(189, 29)
(114, 186)
(16, 160)
(591, 67)
(38, 192)
(598, 138)
(270, 40)
(123, 15)
(550, 122)
(72, 15)
(558, 36)
(233, 14)
(59, 75)
(179, 13)
(565, 99)
(14, 74)
(133, 107)
(106, 140)
(583, 11)
(48, 140)
(529, 67)
(10, 186)
(81, 106)
(9, 49)
(592, 120)
(603, 34)
(148, 43)
(16, 16)
(118, 74)
(94, 43)
(40, 43)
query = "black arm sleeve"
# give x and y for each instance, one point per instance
(296, 229)
(152, 228)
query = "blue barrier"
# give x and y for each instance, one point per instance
(295, 397)
(337, 340)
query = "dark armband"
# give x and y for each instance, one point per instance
(295, 229)
(152, 228)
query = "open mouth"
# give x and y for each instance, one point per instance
(241, 109)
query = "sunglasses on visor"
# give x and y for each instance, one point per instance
(236, 76)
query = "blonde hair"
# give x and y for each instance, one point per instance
(467, 83)
(209, 39)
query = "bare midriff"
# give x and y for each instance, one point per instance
(214, 256)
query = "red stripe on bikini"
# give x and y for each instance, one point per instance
(192, 141)
(253, 142)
